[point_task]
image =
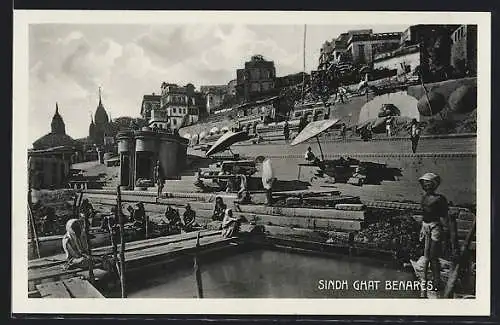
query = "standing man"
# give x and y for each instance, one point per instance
(160, 182)
(286, 131)
(439, 228)
(343, 131)
(268, 180)
(414, 135)
(388, 126)
(302, 123)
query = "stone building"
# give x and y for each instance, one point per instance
(404, 60)
(214, 96)
(362, 48)
(464, 49)
(50, 159)
(149, 103)
(139, 151)
(335, 50)
(177, 107)
(231, 87)
(256, 80)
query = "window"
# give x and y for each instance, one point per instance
(175, 122)
(174, 110)
(361, 52)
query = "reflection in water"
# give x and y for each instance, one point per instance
(273, 274)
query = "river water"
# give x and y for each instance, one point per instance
(277, 274)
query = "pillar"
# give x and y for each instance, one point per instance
(126, 153)
(145, 154)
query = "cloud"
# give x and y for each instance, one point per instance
(69, 62)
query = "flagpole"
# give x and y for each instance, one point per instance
(304, 64)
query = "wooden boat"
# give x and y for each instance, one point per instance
(52, 245)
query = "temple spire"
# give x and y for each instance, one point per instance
(57, 125)
(100, 101)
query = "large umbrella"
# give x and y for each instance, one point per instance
(313, 129)
(225, 141)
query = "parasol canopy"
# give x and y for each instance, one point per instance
(226, 140)
(313, 129)
(214, 130)
(224, 129)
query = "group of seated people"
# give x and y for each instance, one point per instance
(174, 224)
(75, 243)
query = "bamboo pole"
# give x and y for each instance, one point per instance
(196, 267)
(75, 200)
(320, 150)
(114, 245)
(122, 242)
(453, 278)
(304, 64)
(35, 245)
(31, 224)
(87, 239)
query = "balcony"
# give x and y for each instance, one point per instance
(158, 115)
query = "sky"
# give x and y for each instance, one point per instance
(68, 62)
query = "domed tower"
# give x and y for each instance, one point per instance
(57, 125)
(101, 116)
(101, 121)
(91, 128)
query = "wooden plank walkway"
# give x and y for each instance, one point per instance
(137, 254)
(70, 288)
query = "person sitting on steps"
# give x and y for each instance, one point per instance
(189, 219)
(219, 209)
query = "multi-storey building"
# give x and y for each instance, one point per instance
(464, 49)
(177, 107)
(363, 47)
(149, 103)
(256, 79)
(335, 50)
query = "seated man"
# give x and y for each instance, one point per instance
(73, 243)
(219, 210)
(245, 198)
(230, 224)
(189, 219)
(139, 216)
(310, 157)
(173, 220)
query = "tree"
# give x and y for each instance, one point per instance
(126, 123)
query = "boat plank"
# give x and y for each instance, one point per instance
(136, 245)
(53, 290)
(80, 288)
(181, 246)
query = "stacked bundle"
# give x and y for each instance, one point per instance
(400, 235)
